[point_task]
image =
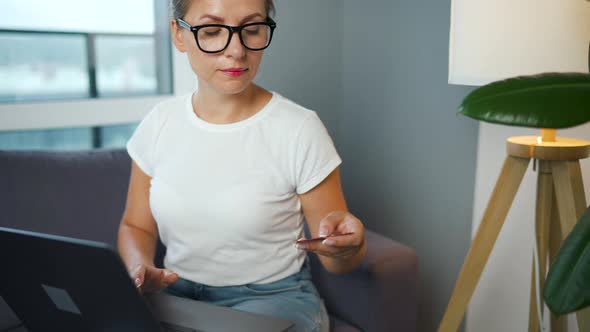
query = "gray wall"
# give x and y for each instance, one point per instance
(304, 60)
(409, 160)
(376, 72)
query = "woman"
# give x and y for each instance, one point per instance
(227, 175)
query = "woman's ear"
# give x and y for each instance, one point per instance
(176, 32)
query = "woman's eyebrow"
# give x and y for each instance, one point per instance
(221, 19)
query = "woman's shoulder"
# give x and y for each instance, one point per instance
(172, 104)
(169, 107)
(290, 111)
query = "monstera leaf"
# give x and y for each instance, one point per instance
(550, 100)
(567, 287)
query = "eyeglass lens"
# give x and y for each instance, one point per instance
(214, 39)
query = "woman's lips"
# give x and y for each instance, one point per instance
(234, 72)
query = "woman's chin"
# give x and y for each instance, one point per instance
(232, 88)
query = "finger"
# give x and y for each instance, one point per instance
(352, 240)
(350, 224)
(345, 249)
(170, 277)
(153, 280)
(330, 223)
(320, 248)
(161, 278)
(345, 253)
(137, 274)
(341, 253)
(309, 246)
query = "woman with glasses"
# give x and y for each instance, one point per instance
(228, 175)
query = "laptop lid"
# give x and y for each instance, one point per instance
(55, 283)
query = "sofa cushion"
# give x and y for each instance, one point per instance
(77, 194)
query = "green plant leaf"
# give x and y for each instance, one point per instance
(567, 287)
(549, 100)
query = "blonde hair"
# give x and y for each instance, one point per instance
(180, 7)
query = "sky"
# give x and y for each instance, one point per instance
(107, 16)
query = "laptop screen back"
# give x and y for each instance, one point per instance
(55, 283)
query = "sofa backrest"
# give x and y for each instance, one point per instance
(79, 194)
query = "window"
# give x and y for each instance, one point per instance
(48, 53)
(61, 139)
(67, 139)
(70, 68)
(36, 66)
(128, 71)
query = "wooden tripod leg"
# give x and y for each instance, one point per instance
(583, 316)
(542, 221)
(564, 196)
(578, 188)
(557, 324)
(500, 202)
(568, 216)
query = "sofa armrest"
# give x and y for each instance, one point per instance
(381, 294)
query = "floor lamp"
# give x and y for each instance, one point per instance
(495, 40)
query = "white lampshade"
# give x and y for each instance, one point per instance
(497, 39)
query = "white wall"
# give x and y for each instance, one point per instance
(501, 299)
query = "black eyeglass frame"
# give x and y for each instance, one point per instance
(232, 29)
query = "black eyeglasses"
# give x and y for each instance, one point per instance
(214, 38)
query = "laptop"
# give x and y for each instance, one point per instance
(55, 283)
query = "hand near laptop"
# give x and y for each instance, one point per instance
(151, 279)
(341, 235)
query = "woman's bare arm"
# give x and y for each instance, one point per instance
(138, 236)
(326, 212)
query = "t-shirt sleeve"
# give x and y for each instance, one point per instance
(315, 157)
(141, 145)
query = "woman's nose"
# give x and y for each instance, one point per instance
(235, 47)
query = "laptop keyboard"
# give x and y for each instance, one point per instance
(169, 327)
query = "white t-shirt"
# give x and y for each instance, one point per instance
(224, 196)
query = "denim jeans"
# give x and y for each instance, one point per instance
(294, 298)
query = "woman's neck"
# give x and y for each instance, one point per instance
(218, 108)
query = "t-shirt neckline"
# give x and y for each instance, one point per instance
(197, 121)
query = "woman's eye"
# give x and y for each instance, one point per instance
(211, 32)
(252, 30)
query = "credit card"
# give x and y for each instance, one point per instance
(322, 238)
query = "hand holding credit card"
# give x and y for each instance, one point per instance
(322, 238)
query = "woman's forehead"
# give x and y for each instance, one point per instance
(225, 9)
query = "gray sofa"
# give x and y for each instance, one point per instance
(82, 194)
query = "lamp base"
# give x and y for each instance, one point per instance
(534, 147)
